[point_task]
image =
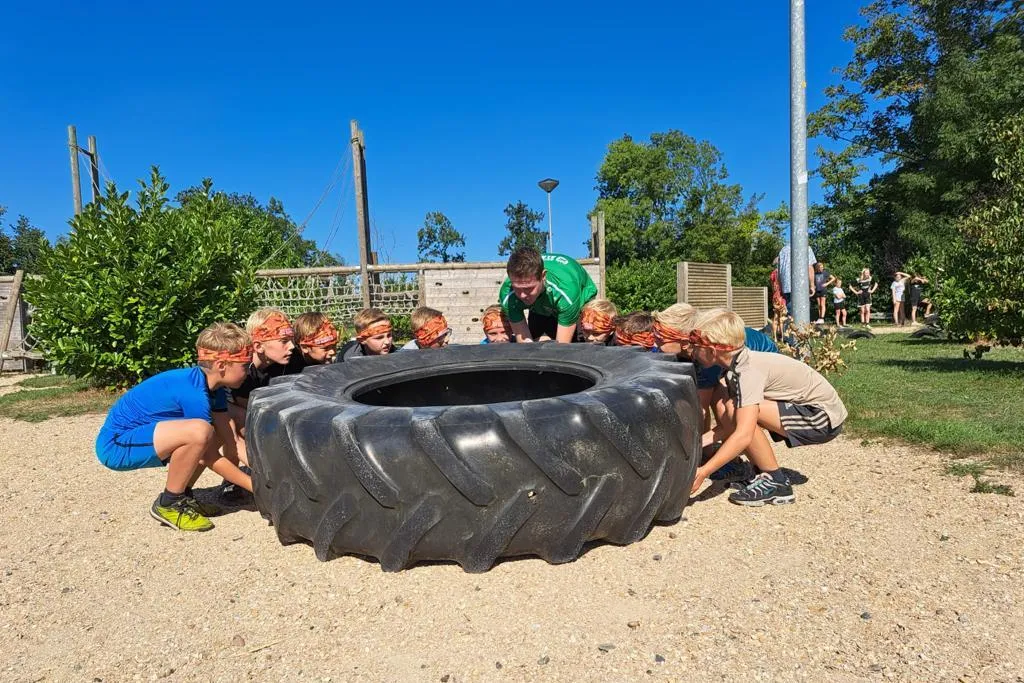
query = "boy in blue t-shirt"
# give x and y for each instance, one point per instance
(179, 419)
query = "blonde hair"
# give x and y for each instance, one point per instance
(635, 323)
(260, 316)
(720, 326)
(678, 317)
(422, 315)
(308, 323)
(367, 317)
(601, 306)
(222, 337)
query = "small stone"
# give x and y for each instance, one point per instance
(943, 537)
(497, 665)
(962, 619)
(658, 659)
(8, 572)
(65, 590)
(238, 641)
(865, 615)
(673, 535)
(656, 558)
(630, 591)
(876, 667)
(444, 679)
(544, 660)
(606, 647)
(633, 624)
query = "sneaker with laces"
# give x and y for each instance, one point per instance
(208, 509)
(764, 490)
(182, 515)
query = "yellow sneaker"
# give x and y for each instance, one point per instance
(183, 515)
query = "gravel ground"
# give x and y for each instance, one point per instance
(885, 569)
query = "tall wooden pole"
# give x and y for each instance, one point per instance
(600, 253)
(76, 184)
(362, 207)
(94, 168)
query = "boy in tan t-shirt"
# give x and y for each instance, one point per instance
(771, 391)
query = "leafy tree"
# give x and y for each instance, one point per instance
(6, 247)
(438, 240)
(981, 292)
(642, 285)
(125, 295)
(668, 200)
(24, 248)
(926, 81)
(522, 229)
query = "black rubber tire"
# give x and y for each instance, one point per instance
(927, 332)
(857, 334)
(475, 482)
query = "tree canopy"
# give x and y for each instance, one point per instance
(25, 248)
(439, 241)
(521, 226)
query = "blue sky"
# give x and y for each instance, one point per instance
(465, 107)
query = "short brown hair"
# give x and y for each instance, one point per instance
(525, 262)
(308, 323)
(422, 315)
(367, 317)
(635, 323)
(720, 326)
(222, 337)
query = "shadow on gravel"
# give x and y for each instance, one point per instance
(211, 495)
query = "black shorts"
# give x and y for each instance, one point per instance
(541, 325)
(839, 305)
(915, 298)
(864, 298)
(806, 425)
(820, 295)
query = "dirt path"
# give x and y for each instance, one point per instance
(884, 569)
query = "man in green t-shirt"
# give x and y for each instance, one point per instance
(553, 286)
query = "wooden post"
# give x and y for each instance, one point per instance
(10, 311)
(681, 276)
(362, 207)
(94, 168)
(76, 185)
(600, 254)
(422, 278)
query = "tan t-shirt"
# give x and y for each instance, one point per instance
(756, 376)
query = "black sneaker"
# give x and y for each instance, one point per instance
(734, 470)
(764, 490)
(232, 493)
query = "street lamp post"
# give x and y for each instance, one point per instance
(549, 184)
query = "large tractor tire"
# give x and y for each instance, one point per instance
(472, 453)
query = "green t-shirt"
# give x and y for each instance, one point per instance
(567, 289)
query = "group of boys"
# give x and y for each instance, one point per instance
(192, 419)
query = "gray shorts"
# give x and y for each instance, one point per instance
(806, 425)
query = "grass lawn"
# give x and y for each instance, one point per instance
(924, 391)
(57, 399)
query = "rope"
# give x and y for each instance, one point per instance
(343, 160)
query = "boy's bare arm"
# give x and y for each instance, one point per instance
(522, 331)
(565, 333)
(734, 444)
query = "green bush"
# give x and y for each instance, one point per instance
(642, 285)
(126, 294)
(981, 293)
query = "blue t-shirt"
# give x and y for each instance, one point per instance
(171, 395)
(755, 341)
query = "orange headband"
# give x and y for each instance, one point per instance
(325, 335)
(494, 322)
(379, 327)
(697, 338)
(596, 321)
(276, 326)
(644, 339)
(669, 335)
(243, 355)
(431, 331)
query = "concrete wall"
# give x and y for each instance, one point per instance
(463, 294)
